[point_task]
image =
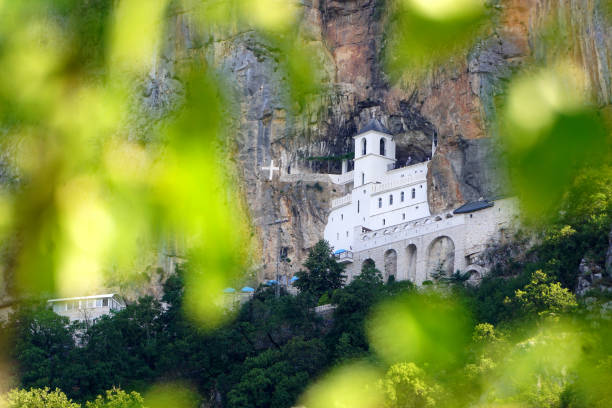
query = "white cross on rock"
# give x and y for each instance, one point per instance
(271, 168)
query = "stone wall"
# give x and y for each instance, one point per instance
(447, 240)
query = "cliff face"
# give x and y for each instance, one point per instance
(453, 105)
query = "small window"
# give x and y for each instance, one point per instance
(383, 221)
(347, 233)
(380, 203)
(413, 193)
(363, 179)
(357, 206)
(337, 235)
(98, 302)
(105, 302)
(471, 215)
(363, 146)
(402, 197)
(417, 207)
(403, 216)
(391, 199)
(341, 216)
(382, 146)
(421, 186)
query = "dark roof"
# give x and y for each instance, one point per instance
(473, 206)
(374, 124)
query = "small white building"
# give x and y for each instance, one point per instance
(385, 218)
(87, 308)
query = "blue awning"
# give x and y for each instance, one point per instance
(229, 290)
(294, 279)
(339, 251)
(247, 289)
(271, 282)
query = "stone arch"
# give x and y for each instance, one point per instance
(390, 263)
(441, 256)
(368, 262)
(411, 252)
(475, 273)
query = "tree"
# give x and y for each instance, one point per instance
(37, 398)
(542, 296)
(405, 385)
(43, 343)
(324, 273)
(117, 398)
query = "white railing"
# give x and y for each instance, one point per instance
(346, 256)
(409, 179)
(324, 308)
(411, 229)
(344, 178)
(337, 202)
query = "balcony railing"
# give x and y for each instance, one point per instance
(337, 202)
(344, 257)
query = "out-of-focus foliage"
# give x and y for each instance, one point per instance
(36, 398)
(349, 386)
(90, 199)
(552, 135)
(424, 328)
(424, 34)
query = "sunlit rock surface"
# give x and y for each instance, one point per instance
(455, 104)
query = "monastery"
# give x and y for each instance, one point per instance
(385, 218)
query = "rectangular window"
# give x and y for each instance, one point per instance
(98, 302)
(403, 216)
(105, 302)
(357, 206)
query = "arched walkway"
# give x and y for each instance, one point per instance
(440, 257)
(475, 273)
(412, 258)
(390, 264)
(368, 263)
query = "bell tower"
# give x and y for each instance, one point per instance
(374, 153)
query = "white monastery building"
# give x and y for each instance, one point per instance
(87, 308)
(385, 218)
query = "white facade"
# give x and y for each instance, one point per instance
(87, 308)
(385, 218)
(381, 195)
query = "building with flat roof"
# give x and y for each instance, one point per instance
(87, 308)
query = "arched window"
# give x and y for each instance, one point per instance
(403, 216)
(341, 216)
(390, 199)
(402, 197)
(413, 193)
(382, 146)
(363, 146)
(380, 203)
(362, 178)
(383, 221)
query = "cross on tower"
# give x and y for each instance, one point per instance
(271, 168)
